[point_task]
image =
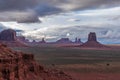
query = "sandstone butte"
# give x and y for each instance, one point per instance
(92, 42)
(9, 38)
(21, 66)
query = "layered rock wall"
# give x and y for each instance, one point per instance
(20, 66)
(17, 65)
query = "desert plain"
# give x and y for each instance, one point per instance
(80, 63)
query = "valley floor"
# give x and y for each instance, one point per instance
(81, 64)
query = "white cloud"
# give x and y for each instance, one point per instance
(14, 25)
(73, 24)
(101, 12)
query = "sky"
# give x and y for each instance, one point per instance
(55, 19)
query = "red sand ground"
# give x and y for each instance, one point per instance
(95, 76)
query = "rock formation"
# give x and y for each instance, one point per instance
(92, 37)
(9, 38)
(21, 38)
(78, 40)
(17, 65)
(8, 35)
(64, 40)
(20, 66)
(43, 41)
(92, 41)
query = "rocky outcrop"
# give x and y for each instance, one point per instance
(20, 66)
(92, 37)
(92, 42)
(8, 35)
(21, 38)
(64, 40)
(78, 40)
(17, 65)
(42, 41)
(9, 38)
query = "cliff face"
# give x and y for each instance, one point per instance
(20, 66)
(92, 37)
(8, 35)
(9, 38)
(17, 65)
(92, 42)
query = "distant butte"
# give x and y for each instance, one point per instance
(9, 38)
(8, 35)
(64, 40)
(92, 42)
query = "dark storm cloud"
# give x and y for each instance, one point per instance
(19, 16)
(48, 7)
(18, 10)
(17, 4)
(53, 5)
(69, 5)
(43, 10)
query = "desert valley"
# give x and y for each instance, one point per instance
(59, 39)
(60, 60)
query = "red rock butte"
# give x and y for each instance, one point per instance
(21, 66)
(9, 38)
(64, 40)
(8, 35)
(92, 42)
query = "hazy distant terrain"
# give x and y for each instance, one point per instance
(79, 61)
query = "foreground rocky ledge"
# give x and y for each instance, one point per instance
(20, 66)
